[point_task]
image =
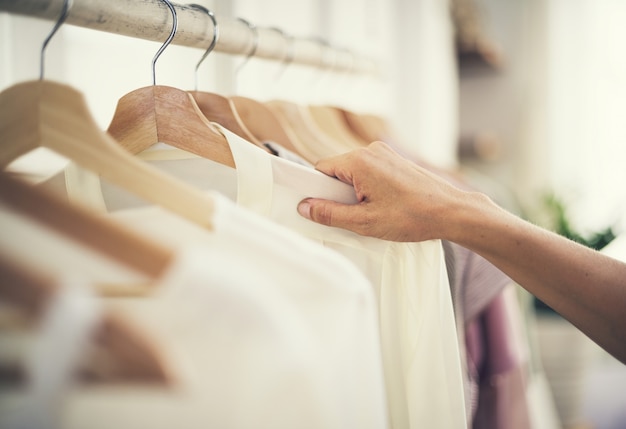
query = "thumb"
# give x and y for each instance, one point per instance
(326, 212)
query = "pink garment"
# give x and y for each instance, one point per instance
(497, 368)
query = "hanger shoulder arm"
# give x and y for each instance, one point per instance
(86, 227)
(217, 108)
(168, 115)
(134, 122)
(19, 118)
(123, 353)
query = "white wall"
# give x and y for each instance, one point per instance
(586, 107)
(498, 102)
(362, 26)
(557, 105)
(425, 81)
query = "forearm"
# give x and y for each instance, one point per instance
(400, 201)
(584, 286)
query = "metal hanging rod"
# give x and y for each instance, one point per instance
(150, 20)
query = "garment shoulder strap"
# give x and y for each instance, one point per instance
(254, 173)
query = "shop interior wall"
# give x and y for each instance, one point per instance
(554, 107)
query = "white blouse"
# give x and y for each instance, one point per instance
(419, 341)
(418, 333)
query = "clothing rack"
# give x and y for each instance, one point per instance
(152, 20)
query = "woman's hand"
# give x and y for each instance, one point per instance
(398, 200)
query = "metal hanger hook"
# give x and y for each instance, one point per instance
(216, 36)
(290, 54)
(327, 64)
(168, 41)
(329, 53)
(255, 44)
(67, 5)
(351, 67)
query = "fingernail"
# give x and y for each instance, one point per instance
(304, 208)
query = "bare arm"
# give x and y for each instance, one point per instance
(400, 201)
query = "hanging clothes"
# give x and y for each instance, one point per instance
(252, 345)
(250, 353)
(418, 334)
(498, 365)
(494, 392)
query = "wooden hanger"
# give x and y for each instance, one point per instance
(89, 228)
(155, 114)
(25, 288)
(52, 115)
(217, 108)
(55, 116)
(300, 122)
(169, 115)
(299, 141)
(129, 355)
(262, 122)
(331, 121)
(214, 107)
(368, 126)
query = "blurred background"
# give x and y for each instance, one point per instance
(523, 99)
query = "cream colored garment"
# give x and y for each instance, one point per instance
(418, 334)
(261, 336)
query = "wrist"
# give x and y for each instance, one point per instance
(466, 217)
